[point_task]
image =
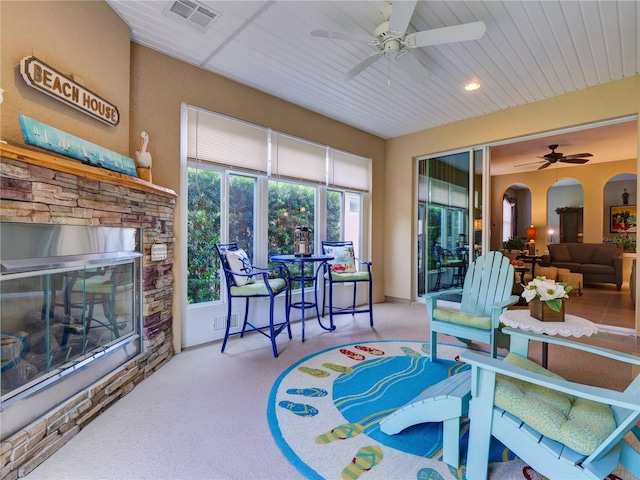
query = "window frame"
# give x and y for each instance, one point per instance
(205, 322)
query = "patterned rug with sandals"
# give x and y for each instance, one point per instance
(324, 413)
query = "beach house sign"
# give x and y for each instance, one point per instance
(48, 80)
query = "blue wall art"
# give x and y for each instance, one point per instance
(45, 136)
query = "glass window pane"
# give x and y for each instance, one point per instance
(443, 212)
(52, 320)
(352, 222)
(290, 205)
(334, 215)
(203, 208)
(241, 211)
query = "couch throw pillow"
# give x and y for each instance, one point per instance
(343, 259)
(604, 255)
(559, 253)
(239, 263)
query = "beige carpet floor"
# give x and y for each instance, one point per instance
(203, 415)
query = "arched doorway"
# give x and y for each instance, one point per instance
(565, 201)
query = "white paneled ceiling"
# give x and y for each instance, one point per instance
(531, 50)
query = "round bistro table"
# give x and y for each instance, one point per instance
(302, 279)
(572, 326)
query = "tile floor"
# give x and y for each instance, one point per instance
(604, 305)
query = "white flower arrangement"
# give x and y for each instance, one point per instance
(548, 291)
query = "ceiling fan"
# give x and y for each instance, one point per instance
(391, 38)
(553, 157)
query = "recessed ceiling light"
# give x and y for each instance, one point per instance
(470, 87)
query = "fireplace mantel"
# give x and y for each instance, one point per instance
(55, 162)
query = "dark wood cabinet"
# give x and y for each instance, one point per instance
(571, 230)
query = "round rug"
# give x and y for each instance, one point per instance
(324, 413)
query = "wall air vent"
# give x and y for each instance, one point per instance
(190, 13)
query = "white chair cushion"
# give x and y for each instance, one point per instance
(239, 263)
(344, 259)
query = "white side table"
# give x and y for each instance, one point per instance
(571, 327)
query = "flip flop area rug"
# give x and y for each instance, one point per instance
(324, 413)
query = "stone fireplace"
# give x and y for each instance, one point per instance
(127, 335)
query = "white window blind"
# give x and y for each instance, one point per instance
(226, 141)
(298, 159)
(232, 143)
(349, 171)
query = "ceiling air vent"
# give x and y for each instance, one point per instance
(191, 13)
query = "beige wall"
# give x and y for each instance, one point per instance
(612, 100)
(85, 39)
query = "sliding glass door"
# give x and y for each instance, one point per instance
(449, 218)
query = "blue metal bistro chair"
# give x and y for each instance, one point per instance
(247, 281)
(345, 268)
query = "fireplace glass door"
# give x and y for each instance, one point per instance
(54, 319)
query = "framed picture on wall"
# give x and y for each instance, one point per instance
(623, 218)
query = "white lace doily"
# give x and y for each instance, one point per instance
(571, 327)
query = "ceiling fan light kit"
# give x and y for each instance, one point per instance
(391, 38)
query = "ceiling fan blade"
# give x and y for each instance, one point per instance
(355, 37)
(574, 160)
(578, 155)
(544, 166)
(361, 66)
(531, 163)
(410, 64)
(437, 36)
(401, 13)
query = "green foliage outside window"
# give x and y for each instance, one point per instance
(241, 211)
(334, 215)
(290, 205)
(203, 233)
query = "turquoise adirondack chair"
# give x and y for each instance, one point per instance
(560, 428)
(486, 293)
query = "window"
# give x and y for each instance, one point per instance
(203, 281)
(290, 205)
(242, 192)
(443, 216)
(251, 185)
(508, 214)
(334, 215)
(354, 204)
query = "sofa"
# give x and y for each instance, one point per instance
(597, 262)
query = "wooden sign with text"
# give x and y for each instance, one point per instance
(48, 80)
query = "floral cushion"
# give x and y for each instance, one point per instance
(239, 263)
(580, 424)
(343, 258)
